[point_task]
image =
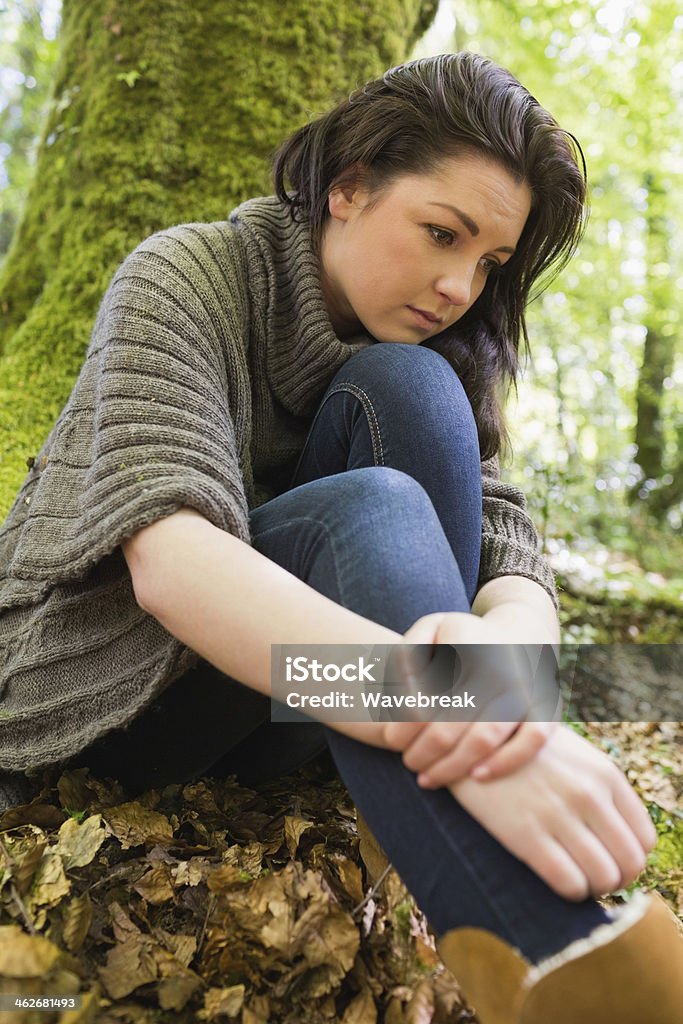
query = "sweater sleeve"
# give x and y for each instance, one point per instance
(510, 543)
(150, 423)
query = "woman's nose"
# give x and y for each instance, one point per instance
(457, 285)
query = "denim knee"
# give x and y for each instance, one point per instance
(415, 383)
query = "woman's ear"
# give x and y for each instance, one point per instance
(340, 201)
(347, 194)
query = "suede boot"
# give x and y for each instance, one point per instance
(627, 972)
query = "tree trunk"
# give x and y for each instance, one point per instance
(659, 350)
(160, 114)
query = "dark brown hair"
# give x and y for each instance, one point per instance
(407, 122)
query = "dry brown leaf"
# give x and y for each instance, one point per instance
(77, 920)
(362, 1009)
(79, 791)
(226, 877)
(86, 1014)
(25, 852)
(394, 1012)
(249, 857)
(134, 824)
(190, 872)
(420, 1009)
(350, 876)
(657, 788)
(50, 884)
(258, 1011)
(222, 1002)
(129, 964)
(183, 947)
(121, 922)
(77, 843)
(294, 829)
(177, 984)
(426, 954)
(25, 956)
(374, 857)
(155, 885)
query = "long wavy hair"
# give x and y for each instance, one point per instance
(407, 122)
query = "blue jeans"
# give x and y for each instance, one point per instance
(384, 517)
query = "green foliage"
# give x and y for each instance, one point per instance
(26, 59)
(612, 73)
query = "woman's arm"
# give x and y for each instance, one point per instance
(519, 607)
(229, 603)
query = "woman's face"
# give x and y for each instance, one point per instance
(407, 265)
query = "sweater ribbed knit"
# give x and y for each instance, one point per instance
(209, 355)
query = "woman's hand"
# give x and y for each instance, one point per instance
(569, 814)
(444, 752)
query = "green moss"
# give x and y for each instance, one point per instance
(402, 914)
(159, 115)
(667, 857)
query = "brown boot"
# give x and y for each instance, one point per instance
(626, 972)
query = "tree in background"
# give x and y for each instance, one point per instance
(159, 114)
(605, 412)
(26, 57)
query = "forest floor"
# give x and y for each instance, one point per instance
(214, 902)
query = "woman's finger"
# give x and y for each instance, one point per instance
(552, 862)
(399, 735)
(607, 823)
(436, 740)
(475, 742)
(595, 860)
(522, 745)
(634, 813)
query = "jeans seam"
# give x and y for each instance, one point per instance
(370, 415)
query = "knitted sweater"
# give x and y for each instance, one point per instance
(209, 355)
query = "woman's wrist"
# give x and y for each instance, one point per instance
(520, 609)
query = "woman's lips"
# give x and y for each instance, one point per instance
(425, 319)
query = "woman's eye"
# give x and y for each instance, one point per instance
(440, 235)
(488, 266)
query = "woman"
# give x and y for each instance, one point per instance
(268, 444)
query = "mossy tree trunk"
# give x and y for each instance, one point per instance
(160, 114)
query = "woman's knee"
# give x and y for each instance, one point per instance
(387, 496)
(411, 380)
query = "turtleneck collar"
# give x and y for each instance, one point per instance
(304, 353)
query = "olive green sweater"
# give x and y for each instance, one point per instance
(210, 352)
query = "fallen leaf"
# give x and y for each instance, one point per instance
(222, 1002)
(155, 885)
(129, 964)
(133, 824)
(50, 884)
(294, 829)
(25, 956)
(362, 1009)
(77, 843)
(420, 1009)
(77, 920)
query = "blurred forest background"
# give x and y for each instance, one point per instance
(597, 424)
